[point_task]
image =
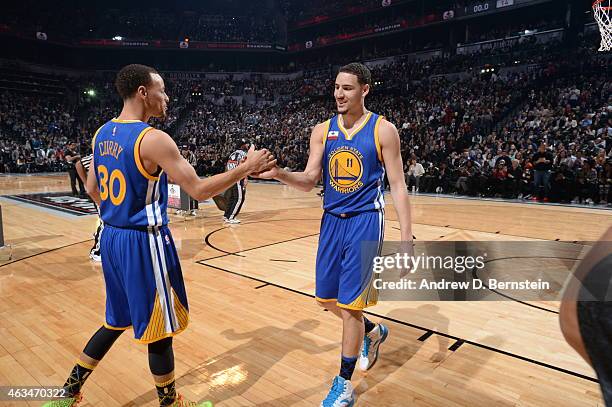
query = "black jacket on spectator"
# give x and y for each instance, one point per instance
(70, 164)
(542, 166)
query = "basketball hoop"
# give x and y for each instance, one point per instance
(602, 10)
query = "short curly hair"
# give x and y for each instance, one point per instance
(363, 74)
(131, 77)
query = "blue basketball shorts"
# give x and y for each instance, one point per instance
(144, 283)
(347, 247)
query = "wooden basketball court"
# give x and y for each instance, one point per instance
(256, 335)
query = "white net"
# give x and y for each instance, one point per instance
(602, 10)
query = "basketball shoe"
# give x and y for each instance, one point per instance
(182, 402)
(65, 402)
(76, 399)
(341, 394)
(371, 345)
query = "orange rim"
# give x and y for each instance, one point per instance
(597, 2)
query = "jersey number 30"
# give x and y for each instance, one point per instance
(107, 185)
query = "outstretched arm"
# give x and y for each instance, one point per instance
(307, 179)
(158, 148)
(392, 158)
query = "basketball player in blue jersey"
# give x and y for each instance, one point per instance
(142, 274)
(352, 151)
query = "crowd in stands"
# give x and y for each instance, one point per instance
(543, 132)
(564, 116)
(240, 21)
(212, 131)
(34, 131)
(451, 131)
(247, 23)
(485, 32)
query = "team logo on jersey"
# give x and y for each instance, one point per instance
(345, 169)
(332, 135)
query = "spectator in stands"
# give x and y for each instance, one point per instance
(413, 177)
(542, 161)
(443, 180)
(587, 184)
(605, 184)
(429, 180)
(467, 172)
(515, 175)
(503, 157)
(500, 178)
(562, 184)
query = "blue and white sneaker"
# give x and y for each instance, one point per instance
(371, 344)
(340, 395)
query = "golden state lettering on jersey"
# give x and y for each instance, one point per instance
(353, 171)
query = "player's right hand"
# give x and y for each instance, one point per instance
(406, 248)
(259, 160)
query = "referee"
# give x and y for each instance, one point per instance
(72, 159)
(236, 194)
(82, 168)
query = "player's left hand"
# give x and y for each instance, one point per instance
(268, 174)
(259, 160)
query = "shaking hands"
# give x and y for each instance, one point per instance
(259, 161)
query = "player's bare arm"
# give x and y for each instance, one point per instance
(158, 149)
(307, 179)
(392, 158)
(91, 185)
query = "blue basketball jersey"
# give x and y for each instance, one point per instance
(130, 197)
(353, 171)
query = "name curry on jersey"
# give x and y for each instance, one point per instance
(109, 147)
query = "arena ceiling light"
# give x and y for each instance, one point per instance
(118, 38)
